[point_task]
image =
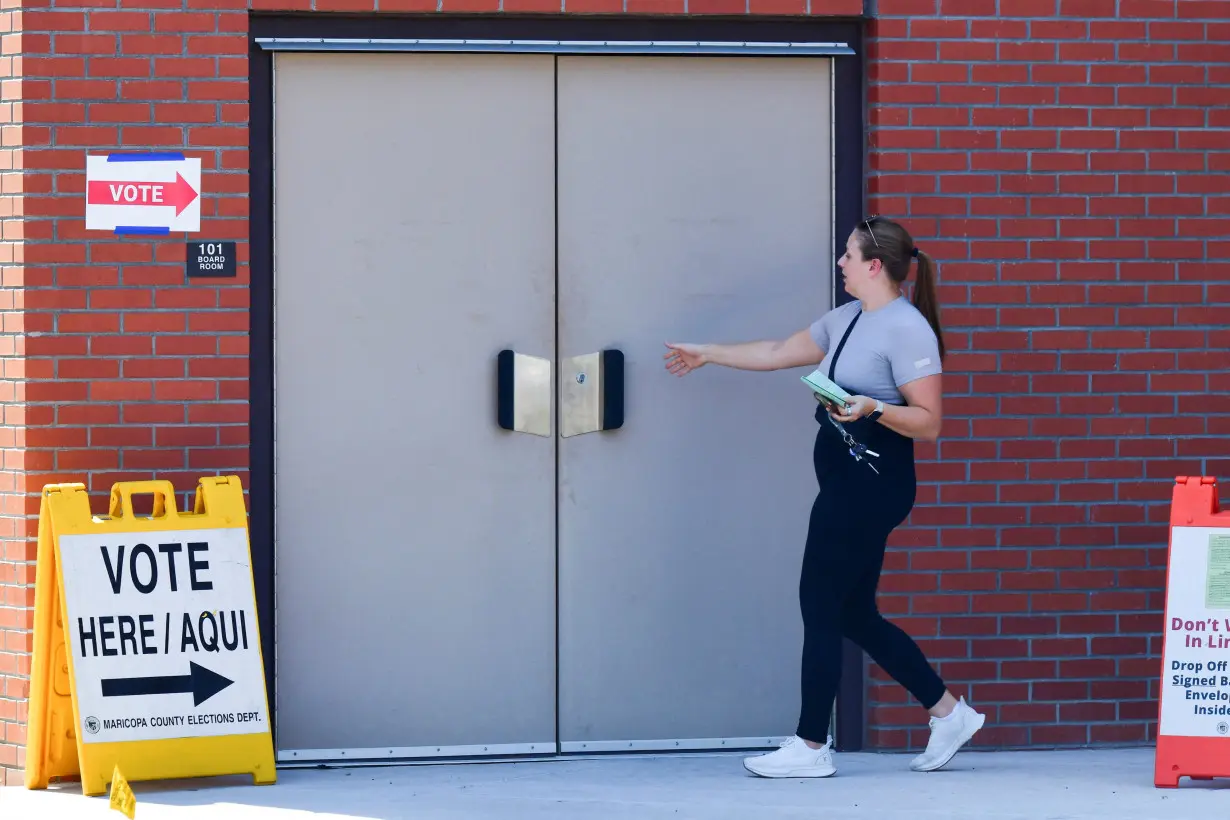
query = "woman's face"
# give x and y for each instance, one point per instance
(856, 271)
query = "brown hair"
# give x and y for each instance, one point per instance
(886, 240)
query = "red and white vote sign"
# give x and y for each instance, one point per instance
(155, 193)
(1193, 734)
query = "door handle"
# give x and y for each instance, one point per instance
(592, 393)
(523, 393)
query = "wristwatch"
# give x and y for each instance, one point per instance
(876, 413)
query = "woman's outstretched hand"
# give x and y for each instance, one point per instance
(684, 358)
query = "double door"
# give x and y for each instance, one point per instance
(478, 259)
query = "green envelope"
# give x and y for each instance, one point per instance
(826, 388)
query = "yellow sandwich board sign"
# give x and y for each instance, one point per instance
(147, 652)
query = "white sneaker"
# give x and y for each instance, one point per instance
(948, 735)
(794, 759)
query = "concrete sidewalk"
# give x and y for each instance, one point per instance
(1072, 785)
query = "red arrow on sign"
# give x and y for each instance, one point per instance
(155, 194)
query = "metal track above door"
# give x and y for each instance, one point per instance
(645, 47)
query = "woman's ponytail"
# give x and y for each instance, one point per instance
(925, 298)
(886, 240)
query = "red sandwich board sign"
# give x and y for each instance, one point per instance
(1193, 732)
(143, 193)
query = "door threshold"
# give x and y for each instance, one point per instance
(409, 754)
(517, 752)
(717, 744)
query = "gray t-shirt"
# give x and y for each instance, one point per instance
(889, 347)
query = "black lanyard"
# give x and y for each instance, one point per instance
(856, 448)
(841, 344)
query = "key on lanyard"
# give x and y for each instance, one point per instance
(855, 447)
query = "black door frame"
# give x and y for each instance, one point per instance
(849, 163)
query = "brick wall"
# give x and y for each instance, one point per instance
(1036, 554)
(129, 372)
(1068, 161)
(15, 570)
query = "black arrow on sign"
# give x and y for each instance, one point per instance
(201, 682)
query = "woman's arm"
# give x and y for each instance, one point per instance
(795, 351)
(921, 418)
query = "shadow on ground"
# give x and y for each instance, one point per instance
(1067, 785)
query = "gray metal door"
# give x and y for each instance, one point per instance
(417, 543)
(694, 204)
(415, 539)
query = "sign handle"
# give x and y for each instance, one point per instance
(162, 491)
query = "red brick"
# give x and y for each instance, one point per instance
(145, 90)
(86, 89)
(1033, 52)
(1058, 30)
(1148, 53)
(178, 21)
(154, 368)
(1006, 118)
(217, 136)
(1177, 74)
(119, 67)
(837, 7)
(938, 29)
(1204, 9)
(36, 20)
(1117, 732)
(1182, 30)
(50, 112)
(120, 112)
(184, 67)
(1147, 8)
(889, 8)
(713, 6)
(85, 44)
(1059, 735)
(54, 66)
(1024, 8)
(217, 90)
(968, 8)
(1089, 52)
(120, 21)
(121, 345)
(1088, 8)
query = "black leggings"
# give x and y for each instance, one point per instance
(851, 519)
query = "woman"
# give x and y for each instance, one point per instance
(887, 353)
